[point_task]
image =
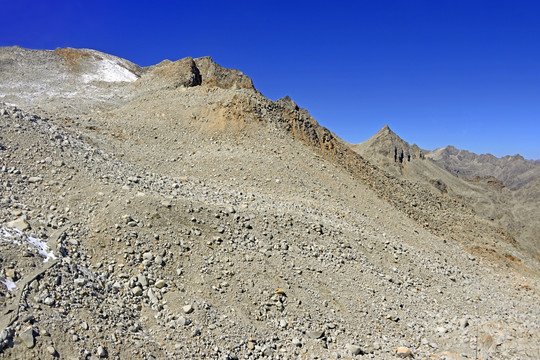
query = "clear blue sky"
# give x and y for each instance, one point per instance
(438, 72)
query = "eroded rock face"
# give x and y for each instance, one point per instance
(214, 75)
(170, 75)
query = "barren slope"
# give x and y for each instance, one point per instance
(198, 219)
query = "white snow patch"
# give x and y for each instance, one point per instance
(110, 71)
(14, 235)
(9, 284)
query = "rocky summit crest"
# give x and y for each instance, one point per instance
(387, 147)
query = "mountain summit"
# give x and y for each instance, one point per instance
(386, 147)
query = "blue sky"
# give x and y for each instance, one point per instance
(465, 73)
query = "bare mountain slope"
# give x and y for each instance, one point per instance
(515, 211)
(198, 219)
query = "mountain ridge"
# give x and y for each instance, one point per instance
(202, 221)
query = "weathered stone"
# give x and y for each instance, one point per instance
(27, 337)
(315, 334)
(20, 224)
(404, 352)
(137, 291)
(354, 349)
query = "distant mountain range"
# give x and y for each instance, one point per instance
(514, 171)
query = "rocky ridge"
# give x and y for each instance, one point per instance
(513, 171)
(201, 221)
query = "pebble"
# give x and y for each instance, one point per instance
(187, 309)
(20, 224)
(101, 352)
(137, 291)
(404, 352)
(34, 179)
(51, 350)
(315, 334)
(354, 349)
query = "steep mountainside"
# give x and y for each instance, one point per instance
(184, 215)
(513, 210)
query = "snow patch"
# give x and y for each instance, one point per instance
(110, 71)
(10, 285)
(18, 237)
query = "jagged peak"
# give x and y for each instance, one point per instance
(387, 144)
(287, 102)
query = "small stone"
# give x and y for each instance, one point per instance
(34, 179)
(142, 280)
(354, 349)
(404, 352)
(11, 274)
(442, 330)
(315, 334)
(51, 350)
(160, 284)
(20, 224)
(266, 351)
(296, 342)
(27, 337)
(187, 309)
(183, 321)
(101, 352)
(80, 281)
(49, 301)
(27, 318)
(251, 345)
(137, 291)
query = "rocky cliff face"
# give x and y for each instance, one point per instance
(182, 216)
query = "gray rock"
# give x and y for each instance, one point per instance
(315, 334)
(49, 301)
(102, 352)
(27, 337)
(187, 309)
(34, 179)
(142, 280)
(51, 350)
(354, 349)
(137, 291)
(20, 224)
